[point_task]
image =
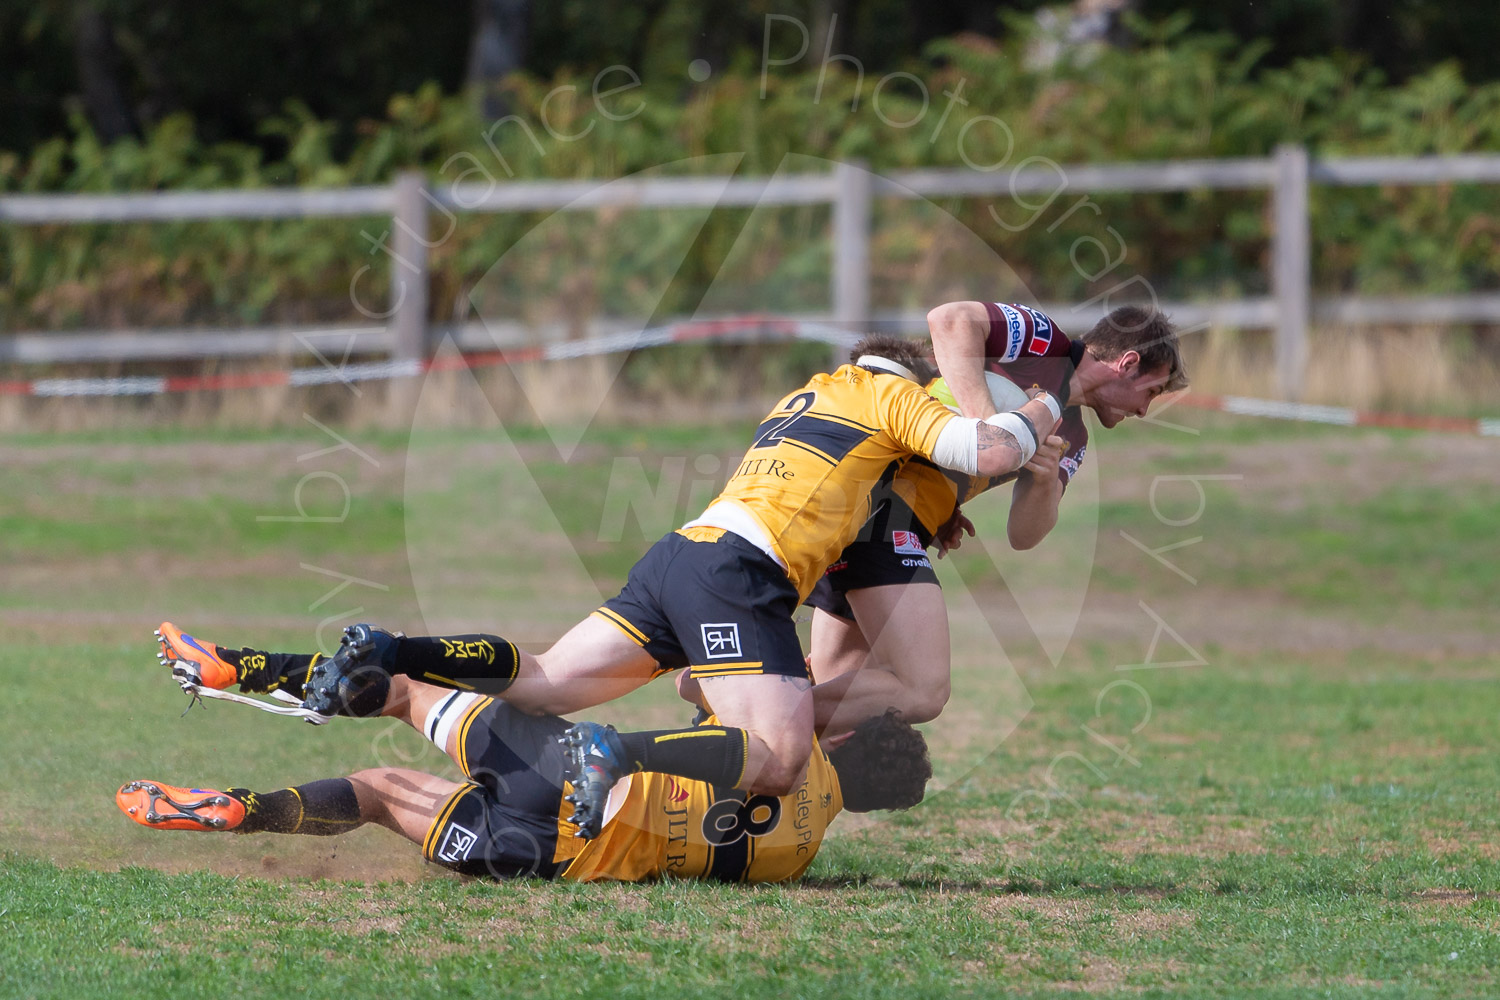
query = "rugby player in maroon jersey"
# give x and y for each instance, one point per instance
(880, 622)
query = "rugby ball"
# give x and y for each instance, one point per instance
(1006, 394)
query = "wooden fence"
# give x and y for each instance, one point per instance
(849, 189)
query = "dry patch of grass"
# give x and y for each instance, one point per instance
(1457, 841)
(1220, 836)
(1127, 835)
(1452, 897)
(1070, 917)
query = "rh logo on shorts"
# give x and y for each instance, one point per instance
(907, 543)
(721, 640)
(457, 843)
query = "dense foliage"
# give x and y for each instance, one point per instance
(1171, 95)
(132, 63)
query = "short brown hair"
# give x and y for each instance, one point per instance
(913, 354)
(884, 765)
(1148, 333)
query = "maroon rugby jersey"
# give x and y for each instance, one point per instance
(1028, 348)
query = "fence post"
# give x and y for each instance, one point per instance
(409, 240)
(853, 195)
(1291, 268)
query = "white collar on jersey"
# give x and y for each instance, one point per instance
(885, 365)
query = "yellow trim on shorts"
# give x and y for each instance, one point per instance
(462, 747)
(429, 842)
(726, 669)
(634, 634)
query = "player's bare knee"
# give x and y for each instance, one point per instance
(783, 770)
(367, 785)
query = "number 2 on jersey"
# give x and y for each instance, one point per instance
(796, 407)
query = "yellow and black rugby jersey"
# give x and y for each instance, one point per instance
(807, 476)
(672, 827)
(932, 493)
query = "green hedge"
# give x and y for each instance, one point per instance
(1173, 95)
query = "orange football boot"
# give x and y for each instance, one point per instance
(187, 808)
(182, 652)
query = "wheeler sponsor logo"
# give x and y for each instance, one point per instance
(1015, 332)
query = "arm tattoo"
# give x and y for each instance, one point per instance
(991, 436)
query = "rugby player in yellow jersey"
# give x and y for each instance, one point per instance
(510, 817)
(716, 596)
(879, 609)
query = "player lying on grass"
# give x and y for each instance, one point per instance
(512, 818)
(716, 596)
(879, 605)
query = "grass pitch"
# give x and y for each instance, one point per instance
(1256, 763)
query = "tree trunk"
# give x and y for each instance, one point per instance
(498, 49)
(98, 62)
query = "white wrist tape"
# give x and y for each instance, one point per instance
(957, 446)
(1052, 405)
(1020, 429)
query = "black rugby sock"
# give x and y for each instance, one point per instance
(319, 809)
(715, 754)
(473, 661)
(261, 672)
